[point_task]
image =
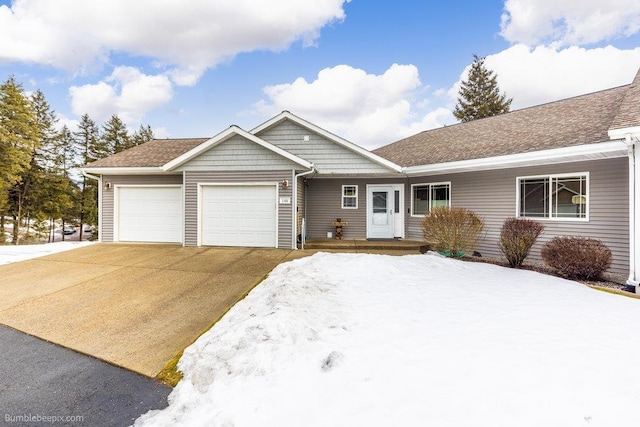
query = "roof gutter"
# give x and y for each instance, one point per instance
(88, 175)
(123, 170)
(555, 155)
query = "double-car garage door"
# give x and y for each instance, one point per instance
(230, 215)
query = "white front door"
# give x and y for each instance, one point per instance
(380, 212)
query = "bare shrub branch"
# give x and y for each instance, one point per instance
(517, 236)
(452, 230)
(577, 257)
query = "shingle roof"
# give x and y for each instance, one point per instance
(629, 114)
(154, 153)
(575, 121)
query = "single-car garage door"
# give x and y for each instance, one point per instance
(239, 215)
(150, 214)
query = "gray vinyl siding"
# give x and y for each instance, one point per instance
(324, 205)
(327, 156)
(108, 214)
(285, 211)
(492, 195)
(238, 154)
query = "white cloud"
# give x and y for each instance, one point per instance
(189, 36)
(126, 92)
(569, 22)
(366, 109)
(544, 74)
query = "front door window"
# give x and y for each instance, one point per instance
(380, 215)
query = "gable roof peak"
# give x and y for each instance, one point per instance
(287, 115)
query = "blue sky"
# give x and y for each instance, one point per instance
(370, 71)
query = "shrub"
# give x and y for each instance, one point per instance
(577, 257)
(452, 230)
(517, 236)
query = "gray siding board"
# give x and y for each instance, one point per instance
(327, 156)
(324, 203)
(492, 195)
(285, 211)
(108, 202)
(238, 154)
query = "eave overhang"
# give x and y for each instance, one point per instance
(601, 150)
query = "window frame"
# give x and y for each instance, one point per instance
(430, 185)
(550, 216)
(343, 196)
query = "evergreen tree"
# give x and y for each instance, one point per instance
(480, 95)
(61, 187)
(48, 136)
(24, 194)
(19, 139)
(90, 147)
(142, 135)
(115, 135)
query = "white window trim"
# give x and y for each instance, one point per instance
(551, 177)
(350, 197)
(430, 184)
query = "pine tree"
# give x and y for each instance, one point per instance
(90, 147)
(480, 95)
(62, 191)
(115, 135)
(19, 139)
(25, 200)
(142, 135)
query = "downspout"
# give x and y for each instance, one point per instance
(295, 204)
(99, 179)
(632, 280)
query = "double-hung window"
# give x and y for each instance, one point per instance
(425, 197)
(349, 197)
(563, 197)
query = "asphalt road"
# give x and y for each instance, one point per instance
(42, 384)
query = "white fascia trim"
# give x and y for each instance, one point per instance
(223, 136)
(576, 153)
(623, 132)
(123, 171)
(335, 138)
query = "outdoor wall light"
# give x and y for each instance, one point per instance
(284, 183)
(107, 185)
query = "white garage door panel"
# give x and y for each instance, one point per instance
(239, 215)
(150, 214)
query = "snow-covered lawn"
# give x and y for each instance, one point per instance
(418, 340)
(11, 253)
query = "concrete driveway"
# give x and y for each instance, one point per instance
(136, 306)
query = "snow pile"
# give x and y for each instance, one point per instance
(357, 339)
(15, 253)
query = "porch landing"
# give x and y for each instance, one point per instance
(353, 245)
